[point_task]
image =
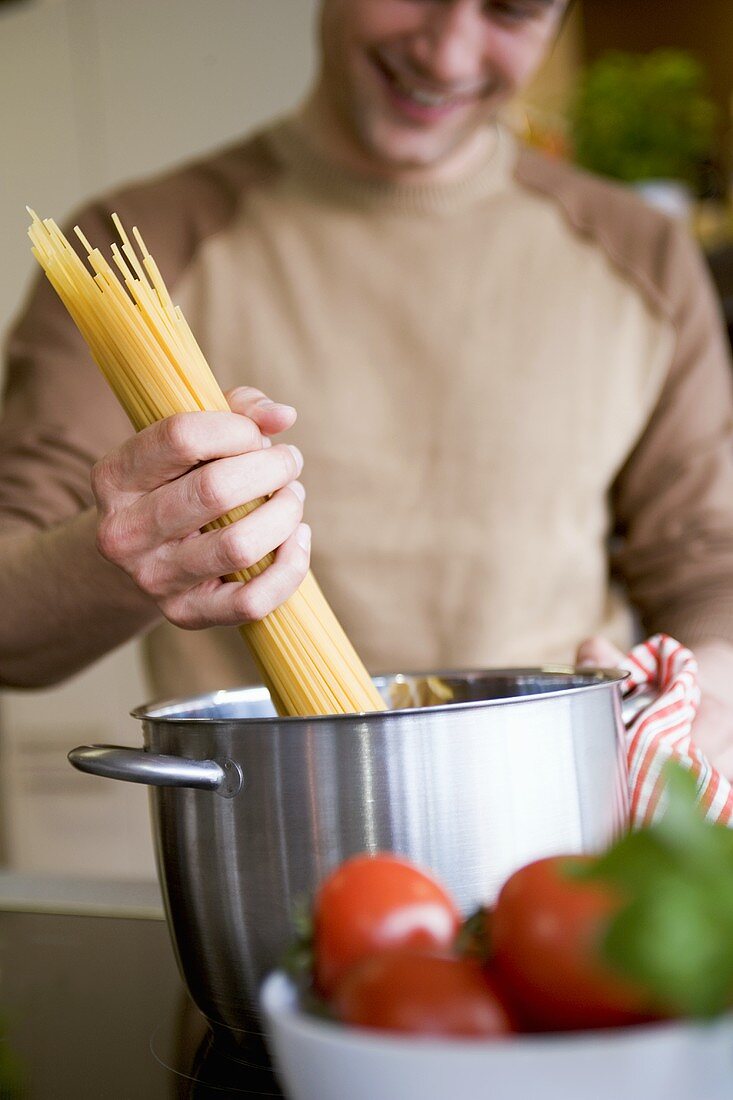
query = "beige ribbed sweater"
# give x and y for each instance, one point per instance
(492, 376)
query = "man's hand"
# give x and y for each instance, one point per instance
(599, 653)
(156, 492)
(713, 727)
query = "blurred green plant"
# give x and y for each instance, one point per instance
(643, 117)
(674, 936)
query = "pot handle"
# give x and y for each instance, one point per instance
(136, 766)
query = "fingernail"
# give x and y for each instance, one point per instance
(587, 663)
(296, 455)
(265, 403)
(298, 488)
(303, 536)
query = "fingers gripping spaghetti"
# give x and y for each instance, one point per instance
(145, 349)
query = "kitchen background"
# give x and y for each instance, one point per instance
(95, 92)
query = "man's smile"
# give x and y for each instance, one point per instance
(420, 99)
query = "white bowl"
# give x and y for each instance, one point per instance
(319, 1060)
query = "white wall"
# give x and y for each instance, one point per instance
(92, 93)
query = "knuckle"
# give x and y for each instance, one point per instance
(288, 466)
(178, 612)
(179, 436)
(121, 536)
(210, 489)
(252, 605)
(242, 395)
(110, 540)
(149, 577)
(237, 548)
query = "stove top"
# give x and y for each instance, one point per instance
(92, 1008)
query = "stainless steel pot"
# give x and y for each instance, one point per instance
(251, 811)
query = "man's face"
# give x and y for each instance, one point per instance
(411, 80)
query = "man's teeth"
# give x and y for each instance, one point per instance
(427, 99)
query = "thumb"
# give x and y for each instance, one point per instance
(269, 416)
(598, 652)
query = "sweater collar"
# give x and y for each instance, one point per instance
(315, 169)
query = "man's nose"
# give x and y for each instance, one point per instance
(450, 45)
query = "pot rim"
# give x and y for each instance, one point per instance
(168, 710)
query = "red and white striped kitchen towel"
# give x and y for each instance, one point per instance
(665, 671)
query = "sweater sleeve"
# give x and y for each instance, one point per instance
(673, 498)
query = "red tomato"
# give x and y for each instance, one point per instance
(423, 994)
(370, 903)
(546, 933)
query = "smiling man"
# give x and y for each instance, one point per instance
(503, 368)
(413, 86)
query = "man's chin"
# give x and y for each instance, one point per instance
(400, 148)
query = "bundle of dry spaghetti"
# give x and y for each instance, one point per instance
(141, 342)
